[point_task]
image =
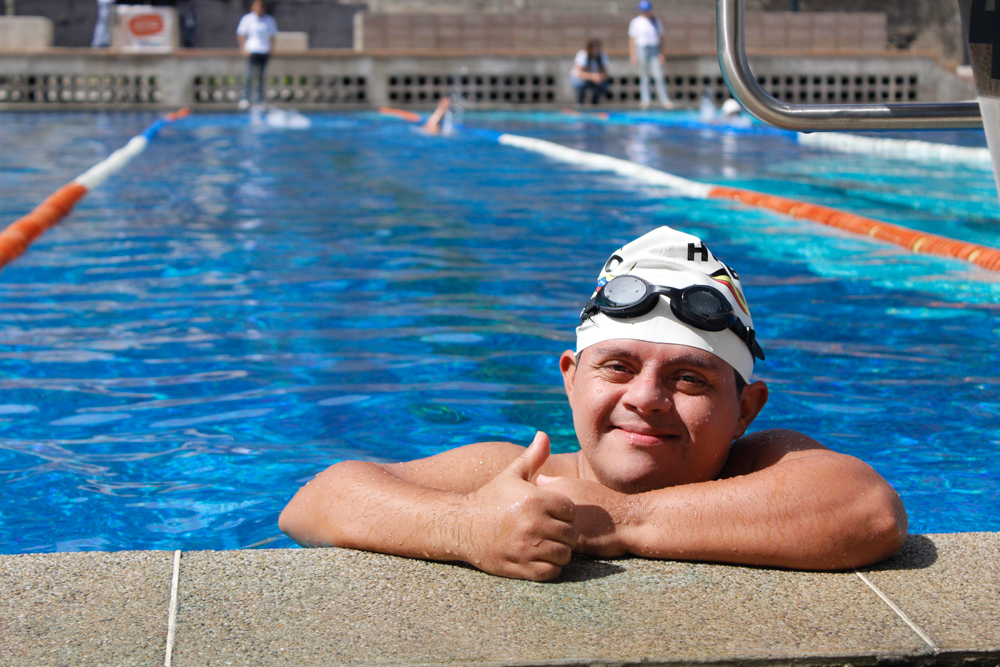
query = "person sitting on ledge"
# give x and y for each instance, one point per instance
(659, 386)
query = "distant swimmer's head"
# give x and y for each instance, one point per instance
(731, 107)
(668, 287)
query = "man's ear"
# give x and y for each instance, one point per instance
(567, 364)
(752, 401)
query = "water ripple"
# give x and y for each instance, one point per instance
(193, 344)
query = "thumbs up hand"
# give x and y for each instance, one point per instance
(601, 518)
(518, 529)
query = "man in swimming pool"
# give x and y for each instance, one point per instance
(661, 399)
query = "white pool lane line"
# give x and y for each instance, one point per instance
(16, 237)
(843, 142)
(172, 611)
(911, 239)
(600, 162)
(899, 149)
(899, 612)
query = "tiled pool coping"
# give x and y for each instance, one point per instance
(939, 604)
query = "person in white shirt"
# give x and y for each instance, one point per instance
(645, 32)
(590, 72)
(256, 34)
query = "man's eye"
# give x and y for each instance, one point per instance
(617, 368)
(691, 379)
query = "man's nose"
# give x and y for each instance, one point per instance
(647, 394)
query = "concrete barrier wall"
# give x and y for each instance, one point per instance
(25, 33)
(684, 31)
(87, 79)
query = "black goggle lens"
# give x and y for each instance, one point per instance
(703, 307)
(699, 305)
(624, 291)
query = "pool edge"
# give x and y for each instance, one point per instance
(336, 606)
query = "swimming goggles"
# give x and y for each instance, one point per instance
(700, 306)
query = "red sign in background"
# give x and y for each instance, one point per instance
(145, 25)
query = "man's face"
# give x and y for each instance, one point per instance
(653, 415)
(257, 8)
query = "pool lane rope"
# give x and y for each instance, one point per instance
(895, 149)
(911, 239)
(16, 238)
(899, 149)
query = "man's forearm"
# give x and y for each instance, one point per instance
(499, 522)
(359, 505)
(788, 515)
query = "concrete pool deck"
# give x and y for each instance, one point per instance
(939, 604)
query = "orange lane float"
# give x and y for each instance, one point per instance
(177, 115)
(599, 115)
(400, 113)
(911, 239)
(914, 240)
(16, 238)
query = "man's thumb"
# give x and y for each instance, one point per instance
(528, 463)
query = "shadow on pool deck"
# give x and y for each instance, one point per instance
(338, 607)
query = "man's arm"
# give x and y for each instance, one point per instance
(242, 39)
(476, 504)
(784, 501)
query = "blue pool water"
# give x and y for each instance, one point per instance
(242, 307)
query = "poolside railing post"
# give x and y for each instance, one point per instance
(981, 31)
(823, 117)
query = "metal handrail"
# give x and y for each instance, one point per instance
(816, 117)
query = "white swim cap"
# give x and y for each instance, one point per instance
(731, 107)
(668, 258)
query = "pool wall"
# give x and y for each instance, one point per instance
(63, 79)
(935, 603)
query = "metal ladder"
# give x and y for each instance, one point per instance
(981, 25)
(818, 117)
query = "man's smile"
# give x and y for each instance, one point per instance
(643, 436)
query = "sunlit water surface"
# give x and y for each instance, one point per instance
(243, 307)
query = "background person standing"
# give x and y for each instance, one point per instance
(644, 34)
(188, 20)
(102, 28)
(256, 34)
